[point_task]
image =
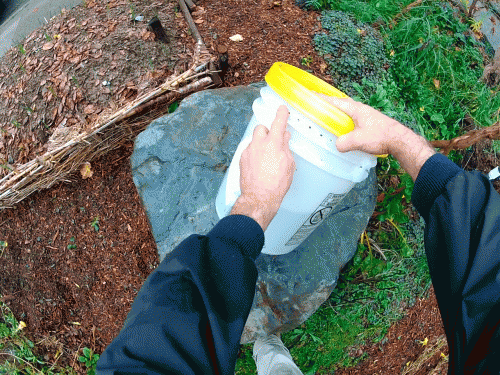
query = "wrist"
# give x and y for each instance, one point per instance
(410, 149)
(250, 207)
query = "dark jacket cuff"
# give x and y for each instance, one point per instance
(244, 230)
(436, 172)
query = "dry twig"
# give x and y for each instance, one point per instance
(468, 139)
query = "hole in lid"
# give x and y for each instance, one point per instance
(309, 127)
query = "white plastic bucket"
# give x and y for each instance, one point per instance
(323, 175)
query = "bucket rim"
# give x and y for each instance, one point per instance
(296, 87)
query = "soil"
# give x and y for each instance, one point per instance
(78, 253)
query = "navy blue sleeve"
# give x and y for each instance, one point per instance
(190, 313)
(462, 242)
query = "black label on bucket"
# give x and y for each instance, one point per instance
(317, 217)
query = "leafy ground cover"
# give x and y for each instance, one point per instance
(423, 70)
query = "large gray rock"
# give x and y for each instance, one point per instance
(178, 164)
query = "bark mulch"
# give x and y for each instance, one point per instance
(78, 253)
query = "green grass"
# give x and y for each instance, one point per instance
(18, 354)
(432, 84)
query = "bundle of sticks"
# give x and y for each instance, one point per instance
(67, 154)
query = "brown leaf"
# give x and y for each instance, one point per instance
(198, 21)
(436, 83)
(86, 170)
(61, 105)
(148, 35)
(48, 46)
(70, 104)
(75, 60)
(88, 109)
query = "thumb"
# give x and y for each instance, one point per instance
(346, 143)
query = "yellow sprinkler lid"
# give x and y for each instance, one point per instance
(295, 86)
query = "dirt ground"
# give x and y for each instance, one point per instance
(79, 252)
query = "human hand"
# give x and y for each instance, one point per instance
(374, 132)
(266, 171)
(377, 134)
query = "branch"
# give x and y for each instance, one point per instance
(471, 8)
(459, 5)
(468, 139)
(189, 19)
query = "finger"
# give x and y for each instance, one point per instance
(345, 143)
(286, 139)
(279, 124)
(260, 132)
(288, 136)
(346, 105)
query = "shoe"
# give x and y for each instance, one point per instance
(272, 357)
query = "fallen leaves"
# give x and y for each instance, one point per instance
(88, 109)
(48, 46)
(236, 38)
(147, 35)
(86, 170)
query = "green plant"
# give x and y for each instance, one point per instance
(362, 10)
(89, 358)
(72, 246)
(95, 223)
(495, 147)
(52, 91)
(16, 123)
(172, 107)
(353, 50)
(438, 69)
(28, 109)
(3, 246)
(306, 61)
(21, 49)
(475, 25)
(18, 353)
(132, 11)
(47, 37)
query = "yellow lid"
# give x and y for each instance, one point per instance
(295, 86)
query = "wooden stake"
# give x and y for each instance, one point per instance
(190, 4)
(158, 29)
